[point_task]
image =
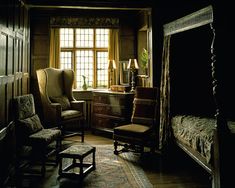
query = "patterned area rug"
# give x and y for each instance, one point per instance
(112, 171)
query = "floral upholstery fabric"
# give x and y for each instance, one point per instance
(31, 125)
(29, 128)
(197, 133)
(44, 136)
(25, 106)
(30, 133)
(77, 150)
(63, 100)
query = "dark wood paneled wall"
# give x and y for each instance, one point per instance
(14, 75)
(14, 55)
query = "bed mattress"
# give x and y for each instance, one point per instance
(197, 133)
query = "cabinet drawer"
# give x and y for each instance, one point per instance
(113, 99)
(106, 122)
(120, 111)
(111, 109)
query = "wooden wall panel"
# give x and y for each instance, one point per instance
(3, 42)
(14, 55)
(10, 57)
(2, 106)
(14, 68)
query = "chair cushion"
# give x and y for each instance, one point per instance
(132, 130)
(30, 125)
(44, 136)
(24, 106)
(69, 114)
(63, 100)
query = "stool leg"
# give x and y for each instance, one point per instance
(115, 147)
(81, 168)
(60, 165)
(44, 158)
(82, 130)
(93, 163)
(74, 161)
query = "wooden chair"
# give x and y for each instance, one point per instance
(59, 106)
(143, 128)
(31, 136)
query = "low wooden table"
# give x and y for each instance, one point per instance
(77, 152)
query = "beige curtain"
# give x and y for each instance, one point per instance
(113, 52)
(165, 96)
(54, 60)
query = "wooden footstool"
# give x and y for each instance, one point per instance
(77, 152)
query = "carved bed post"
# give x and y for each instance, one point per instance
(221, 131)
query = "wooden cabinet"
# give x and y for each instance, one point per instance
(111, 109)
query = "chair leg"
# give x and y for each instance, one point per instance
(82, 136)
(58, 149)
(44, 158)
(142, 149)
(115, 143)
(152, 149)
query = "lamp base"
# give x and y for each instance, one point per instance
(132, 81)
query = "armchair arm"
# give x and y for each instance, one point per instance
(78, 105)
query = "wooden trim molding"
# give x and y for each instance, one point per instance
(196, 19)
(18, 75)
(10, 78)
(94, 22)
(5, 79)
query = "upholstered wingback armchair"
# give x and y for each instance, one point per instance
(59, 106)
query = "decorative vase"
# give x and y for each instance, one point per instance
(84, 86)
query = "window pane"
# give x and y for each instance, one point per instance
(84, 66)
(66, 37)
(65, 60)
(90, 51)
(84, 38)
(102, 69)
(102, 38)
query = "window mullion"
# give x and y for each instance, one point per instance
(74, 58)
(94, 59)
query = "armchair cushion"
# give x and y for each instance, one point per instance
(31, 124)
(63, 100)
(69, 114)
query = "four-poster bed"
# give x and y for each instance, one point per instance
(190, 109)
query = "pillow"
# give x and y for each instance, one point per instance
(63, 100)
(31, 125)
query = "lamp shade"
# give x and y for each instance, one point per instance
(112, 64)
(132, 64)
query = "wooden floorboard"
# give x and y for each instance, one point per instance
(176, 170)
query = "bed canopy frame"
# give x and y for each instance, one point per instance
(195, 20)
